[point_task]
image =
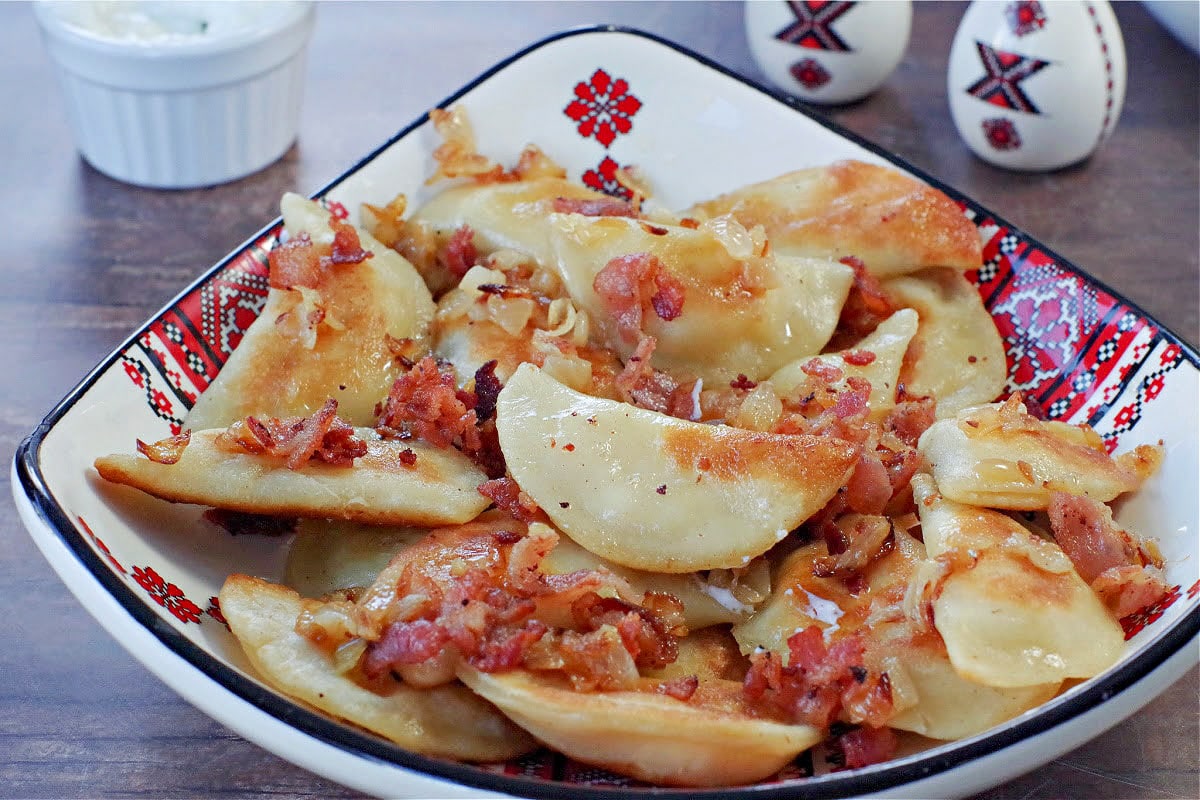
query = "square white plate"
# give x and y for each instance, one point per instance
(595, 99)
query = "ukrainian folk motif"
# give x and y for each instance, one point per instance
(1001, 85)
(1025, 17)
(809, 73)
(812, 27)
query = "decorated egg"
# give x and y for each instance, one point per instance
(828, 52)
(1036, 85)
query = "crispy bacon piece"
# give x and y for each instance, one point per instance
(487, 389)
(681, 688)
(859, 358)
(630, 285)
(1085, 530)
(296, 262)
(867, 537)
(865, 745)
(866, 306)
(509, 497)
(911, 418)
(648, 632)
(600, 207)
(239, 523)
(346, 248)
(819, 684)
(323, 436)
(424, 403)
(870, 486)
(641, 385)
(165, 451)
(403, 643)
(460, 254)
(742, 382)
(1121, 568)
(1129, 589)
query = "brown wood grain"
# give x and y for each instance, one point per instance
(88, 259)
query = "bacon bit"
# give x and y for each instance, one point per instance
(408, 458)
(487, 389)
(564, 504)
(628, 285)
(654, 230)
(165, 451)
(641, 385)
(505, 650)
(869, 537)
(460, 254)
(239, 523)
(509, 497)
(681, 688)
(1085, 530)
(858, 358)
(347, 248)
(486, 452)
(865, 745)
(662, 489)
(570, 448)
(296, 262)
(742, 382)
(600, 207)
(323, 436)
(425, 403)
(1026, 470)
(853, 403)
(648, 632)
(818, 683)
(911, 418)
(403, 643)
(1128, 589)
(867, 305)
(688, 222)
(822, 370)
(870, 486)
(971, 359)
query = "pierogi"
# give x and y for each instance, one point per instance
(677, 495)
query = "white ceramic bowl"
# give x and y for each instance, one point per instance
(214, 100)
(148, 571)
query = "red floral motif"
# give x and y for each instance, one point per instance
(1135, 622)
(1001, 134)
(809, 73)
(604, 179)
(101, 546)
(167, 595)
(1025, 17)
(1170, 355)
(603, 107)
(214, 611)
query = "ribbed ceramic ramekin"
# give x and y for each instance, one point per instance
(188, 111)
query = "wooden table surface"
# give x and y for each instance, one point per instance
(89, 259)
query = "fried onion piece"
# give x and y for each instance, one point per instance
(447, 721)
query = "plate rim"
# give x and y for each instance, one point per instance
(30, 479)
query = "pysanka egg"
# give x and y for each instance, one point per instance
(828, 52)
(1036, 85)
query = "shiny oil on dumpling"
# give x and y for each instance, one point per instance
(711, 739)
(1009, 605)
(654, 492)
(957, 355)
(743, 311)
(892, 222)
(447, 721)
(287, 365)
(439, 487)
(885, 347)
(1001, 456)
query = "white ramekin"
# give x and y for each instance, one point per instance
(187, 112)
